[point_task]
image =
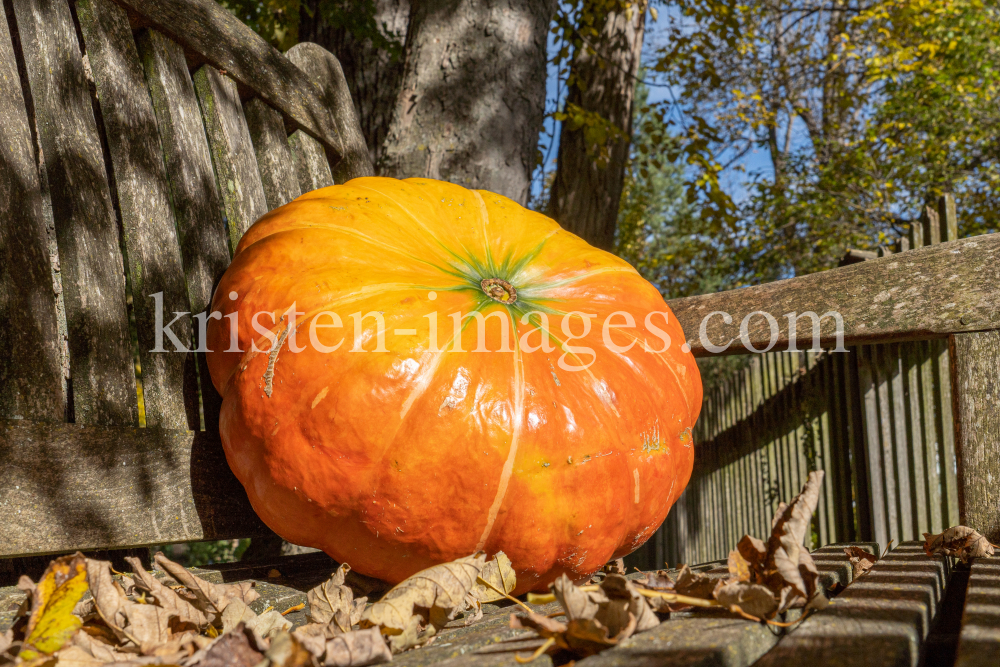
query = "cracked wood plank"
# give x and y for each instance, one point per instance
(924, 293)
(233, 158)
(197, 204)
(274, 155)
(153, 255)
(31, 376)
(216, 35)
(323, 68)
(93, 280)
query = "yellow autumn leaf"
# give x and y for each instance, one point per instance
(52, 622)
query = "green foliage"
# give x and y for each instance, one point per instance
(866, 113)
(278, 21)
(199, 554)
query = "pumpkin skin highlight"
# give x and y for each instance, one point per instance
(399, 460)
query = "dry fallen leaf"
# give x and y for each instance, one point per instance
(51, 622)
(333, 602)
(861, 561)
(233, 649)
(210, 598)
(500, 573)
(694, 584)
(792, 565)
(269, 624)
(595, 619)
(236, 612)
(169, 599)
(357, 649)
(960, 541)
(433, 596)
(746, 598)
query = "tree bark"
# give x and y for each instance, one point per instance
(586, 192)
(373, 71)
(472, 100)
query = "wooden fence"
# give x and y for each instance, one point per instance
(877, 419)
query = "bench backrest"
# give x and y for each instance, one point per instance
(138, 141)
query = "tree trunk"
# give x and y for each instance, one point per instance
(372, 63)
(472, 101)
(587, 188)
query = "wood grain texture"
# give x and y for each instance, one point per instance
(205, 27)
(311, 166)
(101, 366)
(86, 487)
(882, 618)
(976, 399)
(924, 293)
(232, 151)
(31, 377)
(153, 252)
(323, 68)
(979, 641)
(274, 156)
(197, 204)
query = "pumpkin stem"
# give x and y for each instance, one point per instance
(499, 290)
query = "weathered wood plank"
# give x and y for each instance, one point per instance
(71, 487)
(31, 377)
(197, 204)
(153, 253)
(976, 388)
(694, 639)
(208, 29)
(979, 641)
(103, 376)
(232, 151)
(884, 616)
(274, 156)
(924, 293)
(311, 166)
(323, 68)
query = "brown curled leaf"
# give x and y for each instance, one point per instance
(861, 561)
(331, 597)
(960, 541)
(442, 588)
(750, 599)
(357, 649)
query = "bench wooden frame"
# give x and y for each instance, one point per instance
(145, 137)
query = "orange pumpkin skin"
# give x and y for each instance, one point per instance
(398, 460)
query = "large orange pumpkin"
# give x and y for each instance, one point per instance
(395, 451)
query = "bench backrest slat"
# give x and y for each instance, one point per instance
(232, 151)
(212, 32)
(324, 69)
(311, 166)
(103, 376)
(153, 253)
(31, 376)
(274, 156)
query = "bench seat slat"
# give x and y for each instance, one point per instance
(274, 157)
(979, 641)
(70, 487)
(881, 619)
(233, 158)
(101, 366)
(153, 252)
(31, 377)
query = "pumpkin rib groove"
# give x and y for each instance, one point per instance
(508, 465)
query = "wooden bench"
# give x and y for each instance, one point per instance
(139, 140)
